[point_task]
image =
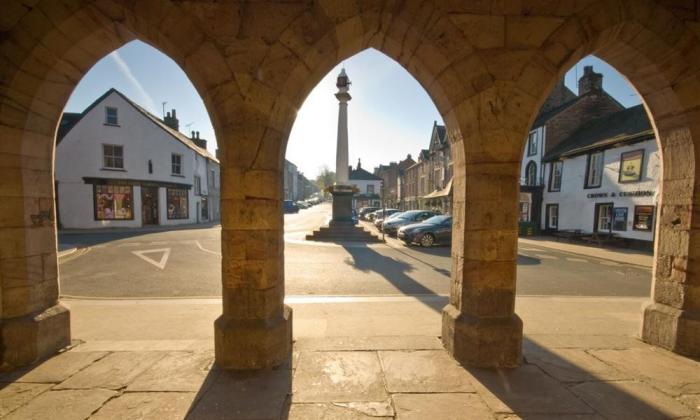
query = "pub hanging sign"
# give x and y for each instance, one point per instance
(642, 193)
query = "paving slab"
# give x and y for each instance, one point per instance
(13, 396)
(147, 405)
(114, 371)
(524, 391)
(692, 401)
(350, 376)
(329, 411)
(244, 395)
(552, 417)
(145, 345)
(424, 371)
(664, 370)
(63, 405)
(581, 341)
(630, 400)
(572, 365)
(176, 372)
(56, 369)
(453, 406)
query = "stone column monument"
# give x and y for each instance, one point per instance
(342, 227)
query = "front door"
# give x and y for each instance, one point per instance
(603, 217)
(149, 205)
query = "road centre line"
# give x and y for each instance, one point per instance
(206, 250)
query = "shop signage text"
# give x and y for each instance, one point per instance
(646, 193)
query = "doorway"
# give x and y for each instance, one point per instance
(603, 217)
(149, 205)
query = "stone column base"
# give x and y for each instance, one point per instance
(673, 329)
(482, 342)
(244, 344)
(28, 339)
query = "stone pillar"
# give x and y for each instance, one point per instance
(672, 319)
(255, 329)
(479, 325)
(341, 154)
(33, 324)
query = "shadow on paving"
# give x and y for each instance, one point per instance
(84, 237)
(366, 259)
(550, 383)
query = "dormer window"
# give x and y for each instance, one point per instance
(111, 116)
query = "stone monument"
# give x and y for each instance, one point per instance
(342, 227)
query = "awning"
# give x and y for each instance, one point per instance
(441, 193)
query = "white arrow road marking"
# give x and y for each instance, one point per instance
(163, 259)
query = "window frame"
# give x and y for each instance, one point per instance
(588, 185)
(596, 216)
(548, 209)
(530, 164)
(104, 157)
(550, 187)
(653, 217)
(532, 143)
(116, 116)
(641, 166)
(179, 164)
(197, 185)
(368, 189)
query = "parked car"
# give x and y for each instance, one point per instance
(355, 218)
(290, 207)
(437, 229)
(379, 214)
(379, 222)
(365, 211)
(390, 227)
(303, 204)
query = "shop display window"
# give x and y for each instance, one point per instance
(620, 218)
(643, 218)
(177, 203)
(114, 202)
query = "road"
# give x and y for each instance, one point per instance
(186, 263)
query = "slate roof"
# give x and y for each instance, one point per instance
(630, 125)
(70, 119)
(543, 117)
(360, 174)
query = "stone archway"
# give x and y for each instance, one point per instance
(484, 65)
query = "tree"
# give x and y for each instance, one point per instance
(325, 178)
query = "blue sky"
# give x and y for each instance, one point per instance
(390, 114)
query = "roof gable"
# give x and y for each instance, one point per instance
(626, 126)
(70, 120)
(360, 174)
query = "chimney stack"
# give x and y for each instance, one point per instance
(590, 81)
(201, 143)
(171, 120)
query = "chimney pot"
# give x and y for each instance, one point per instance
(174, 113)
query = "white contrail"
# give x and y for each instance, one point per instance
(126, 71)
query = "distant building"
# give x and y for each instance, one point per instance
(368, 185)
(117, 165)
(390, 176)
(427, 184)
(290, 181)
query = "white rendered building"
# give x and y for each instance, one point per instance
(117, 165)
(604, 178)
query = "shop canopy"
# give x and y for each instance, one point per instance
(447, 191)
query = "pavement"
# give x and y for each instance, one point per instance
(354, 358)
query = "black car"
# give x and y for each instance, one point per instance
(390, 227)
(437, 229)
(290, 207)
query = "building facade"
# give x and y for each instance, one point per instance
(368, 186)
(390, 175)
(117, 165)
(590, 166)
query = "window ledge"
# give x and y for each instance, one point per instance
(177, 175)
(114, 169)
(112, 125)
